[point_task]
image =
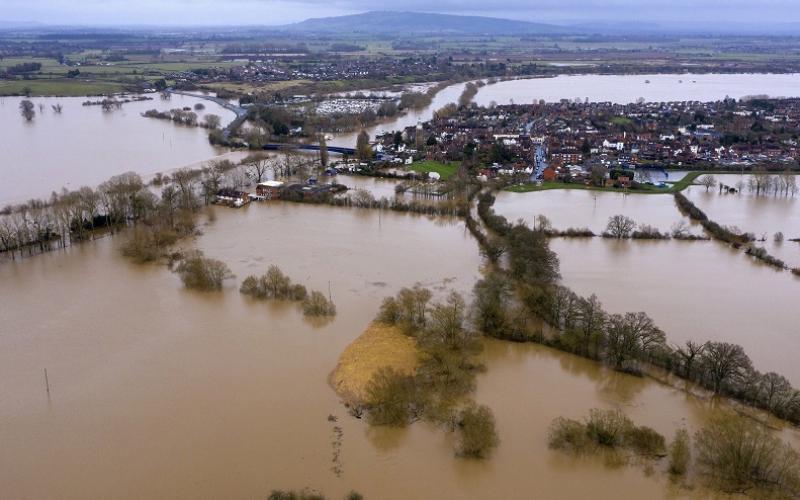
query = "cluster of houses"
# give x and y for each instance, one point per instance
(572, 137)
(277, 190)
(302, 66)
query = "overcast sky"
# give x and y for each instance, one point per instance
(271, 12)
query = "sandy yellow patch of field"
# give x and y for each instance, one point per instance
(379, 346)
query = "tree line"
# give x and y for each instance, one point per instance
(512, 303)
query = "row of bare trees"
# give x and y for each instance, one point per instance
(511, 304)
(67, 217)
(760, 183)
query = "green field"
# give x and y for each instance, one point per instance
(93, 79)
(446, 170)
(58, 87)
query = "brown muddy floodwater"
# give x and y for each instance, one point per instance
(625, 89)
(159, 392)
(693, 290)
(762, 215)
(84, 145)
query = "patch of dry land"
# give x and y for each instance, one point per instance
(379, 346)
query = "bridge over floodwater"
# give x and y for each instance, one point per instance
(310, 147)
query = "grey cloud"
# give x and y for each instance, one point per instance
(271, 12)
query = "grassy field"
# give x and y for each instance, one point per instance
(446, 170)
(58, 87)
(94, 79)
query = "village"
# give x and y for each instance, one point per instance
(604, 143)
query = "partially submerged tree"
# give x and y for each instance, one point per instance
(27, 109)
(708, 181)
(363, 149)
(317, 304)
(257, 165)
(620, 226)
(738, 454)
(477, 435)
(202, 273)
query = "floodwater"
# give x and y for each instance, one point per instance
(625, 89)
(160, 392)
(763, 215)
(84, 145)
(699, 290)
(409, 119)
(579, 208)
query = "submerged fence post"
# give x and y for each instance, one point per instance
(46, 382)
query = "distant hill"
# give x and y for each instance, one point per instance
(417, 23)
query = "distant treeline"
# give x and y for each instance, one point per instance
(19, 69)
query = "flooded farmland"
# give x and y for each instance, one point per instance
(625, 89)
(742, 301)
(763, 215)
(161, 392)
(85, 145)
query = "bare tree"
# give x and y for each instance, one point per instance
(688, 355)
(257, 165)
(542, 223)
(212, 121)
(708, 181)
(620, 227)
(324, 157)
(363, 150)
(631, 337)
(722, 363)
(26, 109)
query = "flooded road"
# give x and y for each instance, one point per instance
(84, 145)
(159, 392)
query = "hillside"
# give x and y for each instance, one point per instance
(416, 22)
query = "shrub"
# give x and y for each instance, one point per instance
(738, 454)
(568, 434)
(391, 398)
(645, 441)
(389, 312)
(147, 244)
(273, 285)
(647, 232)
(607, 428)
(477, 433)
(679, 453)
(318, 304)
(294, 495)
(604, 429)
(298, 292)
(201, 273)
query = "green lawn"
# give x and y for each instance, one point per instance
(446, 170)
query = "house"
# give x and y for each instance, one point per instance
(232, 197)
(269, 190)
